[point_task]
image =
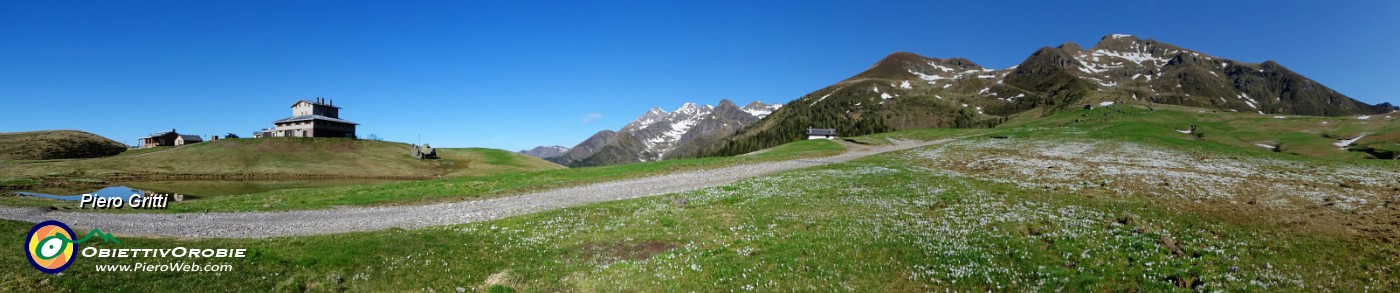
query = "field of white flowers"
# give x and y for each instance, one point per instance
(956, 217)
(1136, 169)
(980, 214)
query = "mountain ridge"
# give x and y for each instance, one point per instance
(905, 90)
(545, 152)
(688, 131)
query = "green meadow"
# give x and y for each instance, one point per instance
(460, 188)
(883, 223)
(1079, 201)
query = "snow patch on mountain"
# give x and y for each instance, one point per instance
(1139, 57)
(678, 128)
(1347, 142)
(661, 134)
(829, 94)
(758, 109)
(651, 117)
(947, 73)
(931, 78)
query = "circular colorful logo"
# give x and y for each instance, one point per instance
(50, 247)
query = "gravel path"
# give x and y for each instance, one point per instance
(350, 219)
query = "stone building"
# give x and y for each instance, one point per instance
(316, 118)
(821, 133)
(168, 138)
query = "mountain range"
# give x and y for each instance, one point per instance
(545, 152)
(905, 91)
(689, 131)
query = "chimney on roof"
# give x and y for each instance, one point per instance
(332, 102)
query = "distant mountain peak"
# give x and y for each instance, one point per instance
(726, 105)
(545, 152)
(904, 66)
(1132, 44)
(647, 119)
(660, 135)
(900, 58)
(1118, 39)
(585, 149)
(1119, 36)
(1070, 46)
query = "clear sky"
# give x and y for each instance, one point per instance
(517, 74)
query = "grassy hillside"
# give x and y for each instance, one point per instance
(462, 188)
(1278, 136)
(283, 157)
(1309, 136)
(56, 144)
(484, 161)
(854, 107)
(947, 217)
(907, 91)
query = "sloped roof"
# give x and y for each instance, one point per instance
(313, 103)
(821, 131)
(312, 117)
(162, 133)
(191, 137)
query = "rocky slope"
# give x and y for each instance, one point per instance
(585, 149)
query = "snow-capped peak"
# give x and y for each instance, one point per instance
(651, 117)
(688, 109)
(760, 110)
(662, 132)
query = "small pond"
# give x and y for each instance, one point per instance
(110, 191)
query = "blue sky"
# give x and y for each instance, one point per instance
(516, 74)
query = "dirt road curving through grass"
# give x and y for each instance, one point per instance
(352, 219)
